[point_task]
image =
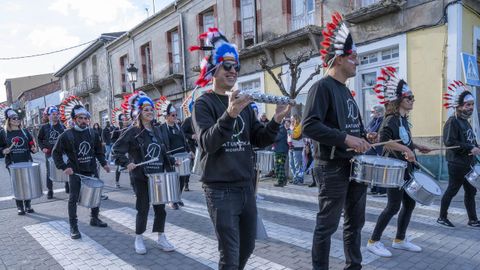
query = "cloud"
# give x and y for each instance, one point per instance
(52, 37)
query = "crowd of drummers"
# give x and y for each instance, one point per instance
(222, 133)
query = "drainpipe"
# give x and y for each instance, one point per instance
(184, 60)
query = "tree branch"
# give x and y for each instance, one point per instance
(263, 64)
(317, 71)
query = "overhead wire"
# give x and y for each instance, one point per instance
(47, 53)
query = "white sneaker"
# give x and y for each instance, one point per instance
(378, 249)
(139, 245)
(164, 244)
(406, 245)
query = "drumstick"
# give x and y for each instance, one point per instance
(445, 148)
(378, 144)
(81, 175)
(175, 150)
(424, 169)
(143, 163)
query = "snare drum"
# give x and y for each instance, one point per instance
(473, 177)
(423, 188)
(378, 171)
(184, 168)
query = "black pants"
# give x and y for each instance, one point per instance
(336, 191)
(75, 184)
(184, 181)
(117, 174)
(233, 212)
(20, 204)
(456, 178)
(49, 182)
(396, 197)
(143, 205)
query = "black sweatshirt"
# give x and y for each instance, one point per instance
(458, 132)
(20, 152)
(48, 136)
(142, 145)
(176, 139)
(390, 130)
(187, 128)
(81, 148)
(225, 143)
(330, 114)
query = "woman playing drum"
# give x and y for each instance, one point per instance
(142, 141)
(17, 145)
(398, 98)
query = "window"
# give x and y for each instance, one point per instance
(84, 70)
(368, 81)
(302, 13)
(103, 117)
(365, 3)
(67, 83)
(123, 72)
(75, 77)
(248, 22)
(206, 20)
(390, 53)
(173, 39)
(94, 65)
(368, 59)
(145, 53)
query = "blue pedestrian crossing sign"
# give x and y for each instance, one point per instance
(470, 69)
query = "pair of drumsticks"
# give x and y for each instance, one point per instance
(391, 141)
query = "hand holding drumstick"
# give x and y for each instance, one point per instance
(6, 151)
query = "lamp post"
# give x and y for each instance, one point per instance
(132, 75)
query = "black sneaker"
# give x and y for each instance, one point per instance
(74, 233)
(104, 197)
(29, 210)
(186, 188)
(96, 222)
(278, 185)
(50, 194)
(313, 184)
(445, 222)
(474, 223)
(20, 212)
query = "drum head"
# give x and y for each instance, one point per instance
(20, 165)
(427, 182)
(380, 161)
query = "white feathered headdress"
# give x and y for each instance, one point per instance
(116, 113)
(132, 103)
(457, 93)
(67, 107)
(389, 87)
(337, 40)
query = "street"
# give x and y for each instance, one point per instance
(41, 240)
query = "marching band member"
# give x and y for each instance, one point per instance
(332, 120)
(227, 129)
(83, 147)
(458, 132)
(47, 137)
(175, 140)
(399, 99)
(120, 123)
(142, 141)
(17, 145)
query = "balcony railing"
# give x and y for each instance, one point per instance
(365, 10)
(85, 87)
(302, 21)
(357, 4)
(175, 68)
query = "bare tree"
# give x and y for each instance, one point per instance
(295, 71)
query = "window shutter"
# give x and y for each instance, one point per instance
(237, 27)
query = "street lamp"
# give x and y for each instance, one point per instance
(132, 75)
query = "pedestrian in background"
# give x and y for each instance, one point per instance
(378, 113)
(295, 153)
(280, 149)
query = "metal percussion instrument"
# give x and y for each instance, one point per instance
(264, 161)
(26, 180)
(197, 169)
(56, 175)
(184, 167)
(90, 191)
(473, 177)
(422, 188)
(378, 171)
(163, 188)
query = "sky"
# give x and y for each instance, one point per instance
(30, 27)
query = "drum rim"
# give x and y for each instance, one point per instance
(401, 163)
(437, 186)
(16, 165)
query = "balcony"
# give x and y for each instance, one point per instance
(365, 10)
(175, 68)
(86, 87)
(302, 21)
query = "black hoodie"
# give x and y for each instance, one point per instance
(225, 143)
(458, 132)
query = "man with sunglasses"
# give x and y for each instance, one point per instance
(176, 143)
(47, 137)
(227, 129)
(83, 147)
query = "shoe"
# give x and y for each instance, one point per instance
(96, 222)
(270, 174)
(313, 184)
(377, 248)
(50, 194)
(406, 245)
(174, 206)
(445, 222)
(104, 197)
(474, 223)
(74, 233)
(372, 193)
(164, 244)
(29, 210)
(139, 245)
(67, 188)
(278, 185)
(186, 188)
(379, 195)
(20, 212)
(180, 203)
(117, 185)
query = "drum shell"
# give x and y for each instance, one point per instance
(163, 188)
(26, 180)
(378, 175)
(264, 161)
(90, 192)
(197, 169)
(56, 175)
(473, 177)
(418, 192)
(184, 168)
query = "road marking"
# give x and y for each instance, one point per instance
(191, 244)
(84, 253)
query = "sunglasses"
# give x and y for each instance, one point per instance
(227, 66)
(15, 118)
(173, 115)
(411, 98)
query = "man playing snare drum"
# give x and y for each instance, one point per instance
(83, 147)
(458, 132)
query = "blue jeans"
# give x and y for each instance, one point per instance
(108, 150)
(295, 158)
(233, 211)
